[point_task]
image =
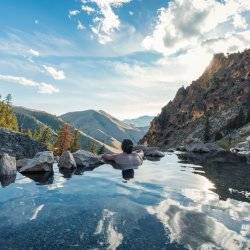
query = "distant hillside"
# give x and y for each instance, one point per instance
(103, 126)
(215, 107)
(32, 119)
(143, 121)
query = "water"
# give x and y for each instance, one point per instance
(169, 204)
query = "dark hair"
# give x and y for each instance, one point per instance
(127, 146)
(128, 174)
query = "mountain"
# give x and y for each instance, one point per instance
(215, 107)
(103, 126)
(142, 121)
(32, 119)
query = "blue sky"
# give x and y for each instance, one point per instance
(127, 57)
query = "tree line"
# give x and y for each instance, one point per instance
(67, 138)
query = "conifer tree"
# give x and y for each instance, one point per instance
(7, 117)
(75, 144)
(93, 147)
(101, 150)
(206, 129)
(64, 140)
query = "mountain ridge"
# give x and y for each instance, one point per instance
(210, 109)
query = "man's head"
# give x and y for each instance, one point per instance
(127, 146)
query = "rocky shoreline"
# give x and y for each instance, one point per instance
(43, 162)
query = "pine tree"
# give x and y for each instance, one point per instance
(75, 144)
(101, 150)
(240, 119)
(7, 117)
(206, 129)
(93, 147)
(29, 133)
(64, 140)
(46, 136)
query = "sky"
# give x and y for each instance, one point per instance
(127, 57)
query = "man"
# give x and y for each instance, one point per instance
(128, 159)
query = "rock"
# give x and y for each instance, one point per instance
(44, 178)
(42, 162)
(6, 180)
(7, 165)
(18, 145)
(150, 151)
(87, 159)
(203, 147)
(67, 161)
(243, 148)
(181, 148)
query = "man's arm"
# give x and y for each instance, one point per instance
(140, 153)
(108, 157)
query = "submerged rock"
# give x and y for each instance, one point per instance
(7, 165)
(87, 159)
(67, 161)
(42, 162)
(150, 151)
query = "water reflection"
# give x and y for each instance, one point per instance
(198, 208)
(128, 174)
(231, 180)
(6, 180)
(45, 178)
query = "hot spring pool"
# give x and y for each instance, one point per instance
(167, 205)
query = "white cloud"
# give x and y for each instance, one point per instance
(88, 9)
(34, 52)
(107, 21)
(185, 24)
(42, 87)
(73, 13)
(239, 22)
(55, 73)
(80, 26)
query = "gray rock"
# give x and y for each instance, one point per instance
(87, 159)
(18, 145)
(67, 161)
(203, 147)
(7, 165)
(150, 151)
(42, 162)
(243, 148)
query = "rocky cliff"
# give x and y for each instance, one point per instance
(18, 145)
(211, 109)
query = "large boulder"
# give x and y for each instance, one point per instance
(67, 161)
(87, 159)
(200, 147)
(42, 162)
(18, 145)
(149, 151)
(7, 165)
